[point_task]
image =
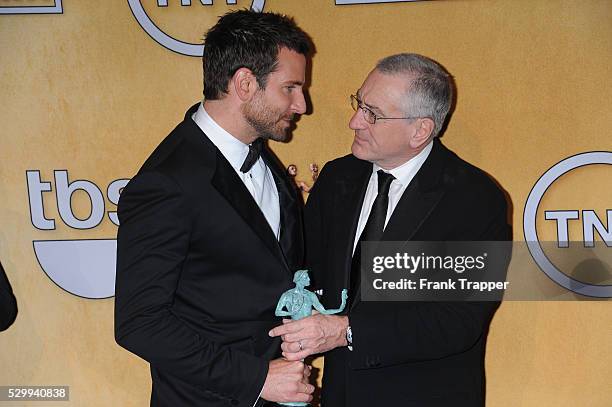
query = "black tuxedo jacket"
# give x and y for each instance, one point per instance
(405, 353)
(8, 303)
(199, 272)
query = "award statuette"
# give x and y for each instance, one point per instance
(299, 303)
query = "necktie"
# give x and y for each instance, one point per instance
(373, 229)
(253, 155)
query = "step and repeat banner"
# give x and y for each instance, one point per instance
(89, 88)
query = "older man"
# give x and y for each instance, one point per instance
(211, 228)
(399, 184)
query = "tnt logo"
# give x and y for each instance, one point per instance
(83, 267)
(147, 14)
(590, 224)
(578, 218)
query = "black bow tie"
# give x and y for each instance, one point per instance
(253, 155)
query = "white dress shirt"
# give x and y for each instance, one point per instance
(258, 180)
(403, 175)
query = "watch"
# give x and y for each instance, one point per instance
(349, 338)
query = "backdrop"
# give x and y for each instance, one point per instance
(89, 88)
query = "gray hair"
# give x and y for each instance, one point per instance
(430, 90)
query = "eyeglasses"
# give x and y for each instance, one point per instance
(369, 115)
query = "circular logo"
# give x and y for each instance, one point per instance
(529, 223)
(169, 42)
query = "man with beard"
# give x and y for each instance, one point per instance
(211, 228)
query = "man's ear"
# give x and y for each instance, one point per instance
(244, 84)
(424, 129)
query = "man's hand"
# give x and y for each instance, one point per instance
(317, 333)
(287, 381)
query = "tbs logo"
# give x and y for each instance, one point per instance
(577, 227)
(83, 267)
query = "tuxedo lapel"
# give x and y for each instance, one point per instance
(419, 199)
(291, 239)
(226, 182)
(411, 211)
(347, 207)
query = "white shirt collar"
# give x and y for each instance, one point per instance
(234, 150)
(405, 172)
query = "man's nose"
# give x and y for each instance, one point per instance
(357, 121)
(299, 104)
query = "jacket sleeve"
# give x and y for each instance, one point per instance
(8, 303)
(313, 232)
(152, 244)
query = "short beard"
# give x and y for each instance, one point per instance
(264, 121)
